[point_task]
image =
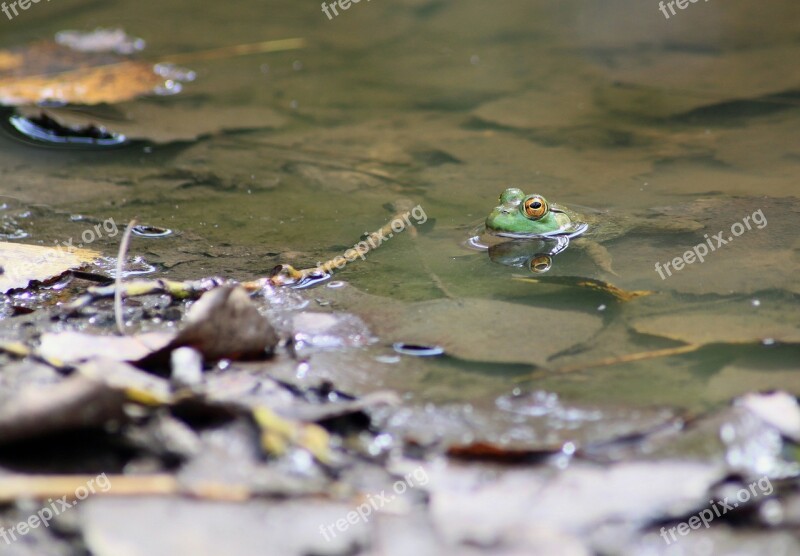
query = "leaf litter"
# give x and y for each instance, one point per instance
(597, 447)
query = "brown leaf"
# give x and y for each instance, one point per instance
(222, 324)
(72, 347)
(49, 72)
(74, 403)
(225, 323)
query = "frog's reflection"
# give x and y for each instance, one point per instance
(536, 255)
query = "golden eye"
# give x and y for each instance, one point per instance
(535, 207)
(540, 264)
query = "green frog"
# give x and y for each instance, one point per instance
(521, 216)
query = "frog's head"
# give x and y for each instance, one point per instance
(522, 215)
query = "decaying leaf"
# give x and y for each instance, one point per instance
(70, 73)
(21, 264)
(76, 402)
(71, 347)
(138, 386)
(279, 434)
(94, 68)
(224, 323)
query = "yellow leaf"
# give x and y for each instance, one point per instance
(277, 434)
(20, 264)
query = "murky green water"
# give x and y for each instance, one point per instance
(609, 105)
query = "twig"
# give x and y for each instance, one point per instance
(42, 487)
(628, 358)
(123, 250)
(287, 275)
(237, 50)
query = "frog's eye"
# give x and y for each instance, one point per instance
(535, 207)
(511, 196)
(540, 264)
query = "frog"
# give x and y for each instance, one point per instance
(521, 216)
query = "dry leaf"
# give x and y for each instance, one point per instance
(71, 347)
(21, 264)
(223, 324)
(279, 434)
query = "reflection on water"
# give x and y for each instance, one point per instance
(607, 105)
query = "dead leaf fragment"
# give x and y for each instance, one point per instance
(21, 264)
(279, 434)
(224, 323)
(48, 72)
(76, 402)
(71, 347)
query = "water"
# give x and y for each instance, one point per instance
(610, 106)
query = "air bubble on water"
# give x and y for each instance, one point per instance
(174, 73)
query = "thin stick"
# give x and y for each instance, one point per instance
(123, 250)
(237, 50)
(630, 358)
(13, 487)
(287, 275)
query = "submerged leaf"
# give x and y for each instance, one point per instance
(49, 72)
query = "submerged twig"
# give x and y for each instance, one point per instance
(621, 359)
(236, 50)
(287, 275)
